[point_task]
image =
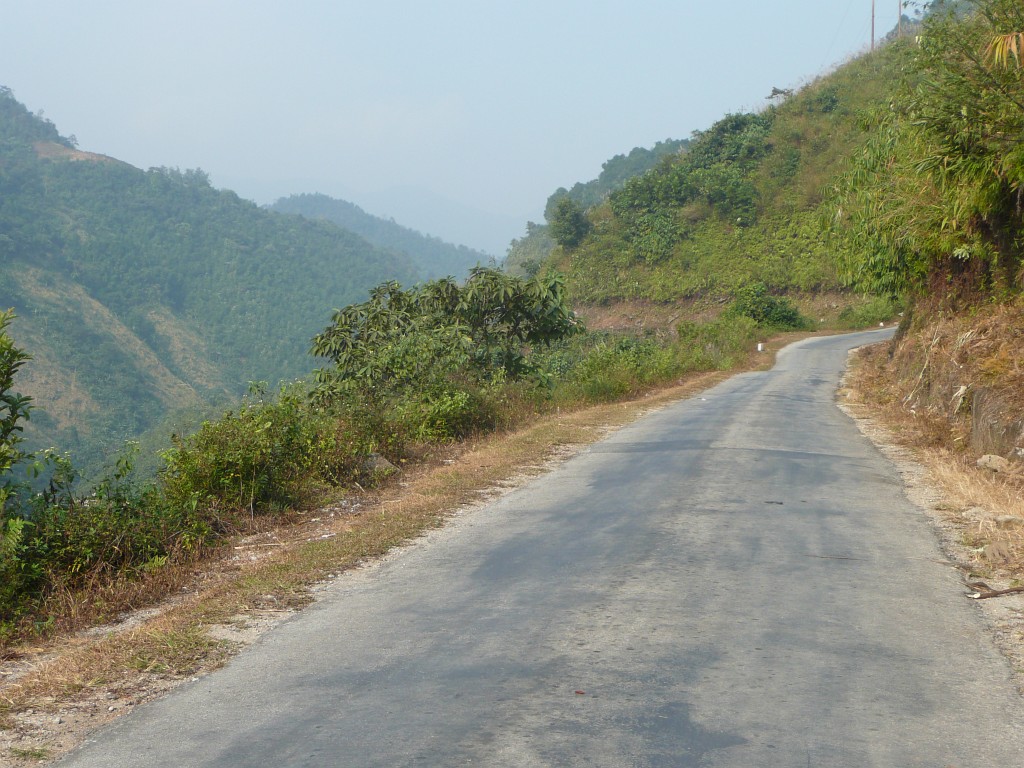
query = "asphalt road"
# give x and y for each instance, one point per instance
(737, 580)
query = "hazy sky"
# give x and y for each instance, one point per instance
(411, 109)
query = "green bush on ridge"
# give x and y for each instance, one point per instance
(262, 457)
(767, 311)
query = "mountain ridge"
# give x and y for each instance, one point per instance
(433, 256)
(141, 291)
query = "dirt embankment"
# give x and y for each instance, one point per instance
(941, 400)
(961, 379)
(662, 319)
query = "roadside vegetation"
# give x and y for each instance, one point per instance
(931, 211)
(406, 373)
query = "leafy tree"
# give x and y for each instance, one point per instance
(402, 339)
(14, 407)
(568, 223)
(938, 192)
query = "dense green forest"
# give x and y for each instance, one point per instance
(432, 256)
(139, 292)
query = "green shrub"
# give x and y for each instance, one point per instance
(754, 302)
(61, 543)
(445, 414)
(871, 311)
(717, 345)
(260, 458)
(616, 367)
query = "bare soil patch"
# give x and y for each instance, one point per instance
(51, 150)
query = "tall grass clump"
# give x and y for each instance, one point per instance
(602, 367)
(871, 311)
(717, 345)
(615, 367)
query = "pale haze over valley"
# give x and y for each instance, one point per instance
(457, 118)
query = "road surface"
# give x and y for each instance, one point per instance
(736, 580)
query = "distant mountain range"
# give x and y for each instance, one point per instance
(451, 220)
(142, 292)
(432, 256)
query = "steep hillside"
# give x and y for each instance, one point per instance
(526, 254)
(932, 208)
(745, 202)
(615, 173)
(142, 291)
(432, 256)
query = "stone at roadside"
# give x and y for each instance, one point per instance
(1009, 521)
(376, 464)
(994, 463)
(998, 552)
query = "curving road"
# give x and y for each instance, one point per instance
(737, 580)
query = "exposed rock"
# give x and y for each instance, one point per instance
(1009, 521)
(994, 463)
(996, 428)
(376, 464)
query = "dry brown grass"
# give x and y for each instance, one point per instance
(985, 508)
(991, 511)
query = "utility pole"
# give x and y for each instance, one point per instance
(899, 18)
(872, 25)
